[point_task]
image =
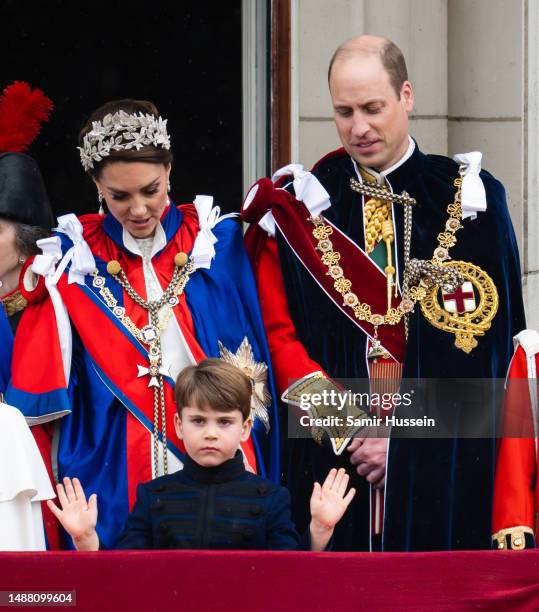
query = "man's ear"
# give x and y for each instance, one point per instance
(178, 427)
(407, 96)
(246, 429)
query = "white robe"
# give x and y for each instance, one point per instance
(24, 483)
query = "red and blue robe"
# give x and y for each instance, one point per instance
(103, 435)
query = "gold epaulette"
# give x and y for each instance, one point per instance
(13, 303)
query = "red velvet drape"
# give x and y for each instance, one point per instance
(211, 580)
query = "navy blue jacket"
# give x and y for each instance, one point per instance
(223, 507)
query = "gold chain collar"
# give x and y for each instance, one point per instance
(432, 274)
(150, 335)
(331, 258)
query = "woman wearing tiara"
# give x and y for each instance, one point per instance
(127, 299)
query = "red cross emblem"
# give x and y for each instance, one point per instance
(461, 300)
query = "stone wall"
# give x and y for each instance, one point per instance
(466, 60)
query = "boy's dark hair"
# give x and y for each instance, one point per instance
(213, 383)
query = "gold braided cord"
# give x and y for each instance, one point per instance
(378, 220)
(376, 212)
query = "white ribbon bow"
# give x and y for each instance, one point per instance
(208, 215)
(45, 265)
(473, 196)
(80, 256)
(308, 190)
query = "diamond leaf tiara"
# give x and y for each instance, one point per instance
(121, 131)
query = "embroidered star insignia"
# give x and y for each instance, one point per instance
(244, 359)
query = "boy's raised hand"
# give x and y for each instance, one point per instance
(328, 504)
(77, 516)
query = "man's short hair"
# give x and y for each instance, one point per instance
(215, 384)
(391, 57)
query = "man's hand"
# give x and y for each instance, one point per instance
(77, 516)
(328, 504)
(369, 456)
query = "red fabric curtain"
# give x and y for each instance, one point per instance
(211, 580)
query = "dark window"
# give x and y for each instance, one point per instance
(185, 56)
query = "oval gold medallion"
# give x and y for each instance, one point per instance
(465, 325)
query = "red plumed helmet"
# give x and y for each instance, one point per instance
(22, 112)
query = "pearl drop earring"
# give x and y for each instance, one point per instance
(100, 200)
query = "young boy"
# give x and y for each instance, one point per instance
(214, 502)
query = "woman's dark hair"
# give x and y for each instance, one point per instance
(26, 237)
(148, 153)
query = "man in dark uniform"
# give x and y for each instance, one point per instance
(384, 262)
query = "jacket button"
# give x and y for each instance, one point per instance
(256, 511)
(262, 489)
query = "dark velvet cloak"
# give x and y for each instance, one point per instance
(438, 492)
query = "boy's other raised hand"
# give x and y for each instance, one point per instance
(329, 502)
(77, 516)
